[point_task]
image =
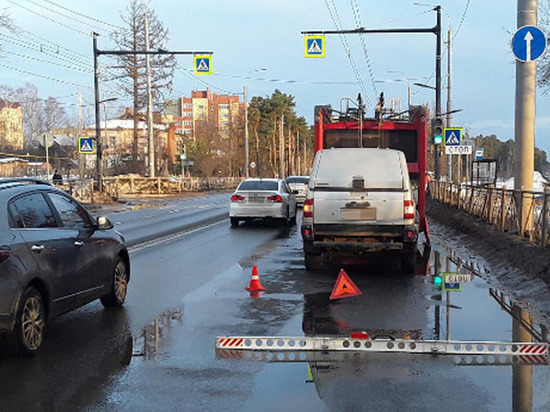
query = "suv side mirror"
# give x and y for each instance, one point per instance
(103, 223)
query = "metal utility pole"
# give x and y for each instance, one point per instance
(97, 53)
(80, 117)
(99, 157)
(246, 160)
(525, 119)
(434, 30)
(150, 132)
(449, 100)
(437, 151)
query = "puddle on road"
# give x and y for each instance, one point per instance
(453, 302)
(148, 342)
(391, 306)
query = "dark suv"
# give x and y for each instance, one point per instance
(54, 258)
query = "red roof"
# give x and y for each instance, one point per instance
(11, 105)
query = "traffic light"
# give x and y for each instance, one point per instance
(437, 131)
(438, 281)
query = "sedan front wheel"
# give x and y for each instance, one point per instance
(117, 295)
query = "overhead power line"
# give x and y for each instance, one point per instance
(84, 15)
(462, 18)
(62, 15)
(357, 17)
(289, 81)
(88, 70)
(49, 19)
(82, 57)
(337, 23)
(44, 77)
(45, 51)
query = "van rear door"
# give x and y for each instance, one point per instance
(359, 186)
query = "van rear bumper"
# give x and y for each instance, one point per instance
(358, 246)
(357, 238)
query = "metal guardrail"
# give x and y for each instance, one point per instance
(499, 207)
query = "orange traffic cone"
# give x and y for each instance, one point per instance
(255, 284)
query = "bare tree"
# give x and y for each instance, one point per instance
(133, 67)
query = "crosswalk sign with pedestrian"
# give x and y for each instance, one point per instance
(453, 136)
(203, 64)
(315, 46)
(86, 145)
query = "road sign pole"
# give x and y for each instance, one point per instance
(99, 157)
(437, 151)
(525, 118)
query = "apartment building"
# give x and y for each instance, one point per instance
(204, 108)
(11, 126)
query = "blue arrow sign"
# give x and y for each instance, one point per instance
(528, 43)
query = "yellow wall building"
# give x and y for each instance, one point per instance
(11, 126)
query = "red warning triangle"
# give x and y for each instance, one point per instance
(344, 287)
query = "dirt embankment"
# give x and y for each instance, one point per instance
(516, 266)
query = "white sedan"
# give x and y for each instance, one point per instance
(258, 198)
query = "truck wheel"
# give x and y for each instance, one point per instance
(312, 262)
(408, 259)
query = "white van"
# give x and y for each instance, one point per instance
(359, 202)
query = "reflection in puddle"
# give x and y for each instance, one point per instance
(419, 309)
(152, 334)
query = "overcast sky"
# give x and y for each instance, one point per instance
(249, 35)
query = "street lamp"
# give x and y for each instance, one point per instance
(427, 86)
(409, 89)
(245, 90)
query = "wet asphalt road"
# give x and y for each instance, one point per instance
(158, 353)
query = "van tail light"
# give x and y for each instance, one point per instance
(237, 198)
(308, 208)
(409, 209)
(275, 199)
(5, 253)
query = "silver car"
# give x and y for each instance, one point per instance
(298, 183)
(266, 199)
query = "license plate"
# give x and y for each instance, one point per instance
(256, 199)
(368, 213)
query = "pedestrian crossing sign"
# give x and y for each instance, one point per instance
(86, 145)
(203, 64)
(315, 46)
(453, 136)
